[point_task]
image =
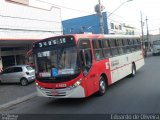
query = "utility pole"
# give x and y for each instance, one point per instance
(143, 44)
(101, 17)
(148, 44)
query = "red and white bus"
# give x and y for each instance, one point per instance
(77, 66)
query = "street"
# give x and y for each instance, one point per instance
(12, 91)
(140, 94)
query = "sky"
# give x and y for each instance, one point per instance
(129, 11)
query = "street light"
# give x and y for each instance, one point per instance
(119, 7)
(99, 9)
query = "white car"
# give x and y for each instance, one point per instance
(22, 74)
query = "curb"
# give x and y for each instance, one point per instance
(18, 100)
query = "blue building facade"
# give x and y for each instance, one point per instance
(90, 23)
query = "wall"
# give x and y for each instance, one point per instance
(20, 21)
(117, 21)
(90, 23)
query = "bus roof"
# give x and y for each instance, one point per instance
(96, 36)
(109, 36)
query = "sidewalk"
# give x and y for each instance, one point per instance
(14, 93)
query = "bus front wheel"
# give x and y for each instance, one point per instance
(102, 86)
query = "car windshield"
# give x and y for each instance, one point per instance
(58, 62)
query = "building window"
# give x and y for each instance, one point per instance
(112, 25)
(120, 27)
(127, 32)
(71, 30)
(116, 27)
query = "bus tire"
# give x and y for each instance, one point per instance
(133, 70)
(102, 86)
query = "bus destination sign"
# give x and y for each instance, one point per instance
(54, 41)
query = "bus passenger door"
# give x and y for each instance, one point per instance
(86, 62)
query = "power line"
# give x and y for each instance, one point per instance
(28, 18)
(13, 29)
(63, 6)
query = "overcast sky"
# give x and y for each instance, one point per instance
(130, 11)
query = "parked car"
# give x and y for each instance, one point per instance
(22, 74)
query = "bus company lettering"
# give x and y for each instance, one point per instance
(114, 63)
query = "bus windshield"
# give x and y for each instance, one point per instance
(56, 61)
(59, 62)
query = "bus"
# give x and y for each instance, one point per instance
(79, 65)
(156, 47)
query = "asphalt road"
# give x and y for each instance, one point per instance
(10, 92)
(140, 94)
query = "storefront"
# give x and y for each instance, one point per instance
(14, 52)
(21, 24)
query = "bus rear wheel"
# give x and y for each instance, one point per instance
(133, 70)
(102, 86)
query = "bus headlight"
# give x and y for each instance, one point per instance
(77, 83)
(37, 84)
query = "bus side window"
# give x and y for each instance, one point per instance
(85, 55)
(135, 44)
(86, 58)
(138, 44)
(126, 44)
(106, 48)
(131, 44)
(114, 48)
(120, 46)
(97, 47)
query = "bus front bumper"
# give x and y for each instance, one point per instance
(77, 92)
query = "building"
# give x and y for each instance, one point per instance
(90, 23)
(22, 24)
(113, 24)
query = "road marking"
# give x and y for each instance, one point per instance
(18, 100)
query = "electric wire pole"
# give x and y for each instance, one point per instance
(148, 44)
(143, 43)
(101, 18)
